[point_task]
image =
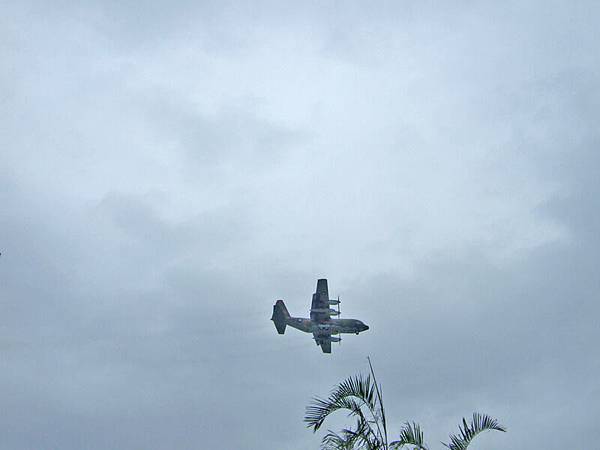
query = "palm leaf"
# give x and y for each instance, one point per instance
(351, 394)
(381, 409)
(359, 396)
(479, 424)
(334, 441)
(411, 434)
(360, 438)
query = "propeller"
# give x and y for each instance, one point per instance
(339, 313)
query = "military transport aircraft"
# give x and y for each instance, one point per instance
(320, 324)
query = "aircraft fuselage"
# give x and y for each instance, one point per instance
(333, 326)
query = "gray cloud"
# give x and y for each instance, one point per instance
(167, 173)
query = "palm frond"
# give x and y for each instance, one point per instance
(351, 394)
(362, 437)
(380, 399)
(411, 434)
(319, 409)
(479, 424)
(334, 441)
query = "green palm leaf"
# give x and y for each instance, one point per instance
(359, 438)
(361, 397)
(479, 424)
(411, 434)
(351, 394)
(358, 395)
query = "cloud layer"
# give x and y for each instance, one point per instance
(166, 173)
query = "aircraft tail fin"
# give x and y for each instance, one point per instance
(280, 316)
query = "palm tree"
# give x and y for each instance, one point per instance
(361, 397)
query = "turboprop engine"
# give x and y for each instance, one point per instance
(330, 311)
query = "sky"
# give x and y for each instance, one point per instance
(169, 170)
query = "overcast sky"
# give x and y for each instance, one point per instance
(167, 171)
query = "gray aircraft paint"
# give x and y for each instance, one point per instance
(321, 324)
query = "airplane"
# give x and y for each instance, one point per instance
(320, 324)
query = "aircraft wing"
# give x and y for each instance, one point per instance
(326, 346)
(319, 308)
(324, 340)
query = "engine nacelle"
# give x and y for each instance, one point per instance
(329, 311)
(334, 302)
(335, 339)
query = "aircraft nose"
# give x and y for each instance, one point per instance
(365, 327)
